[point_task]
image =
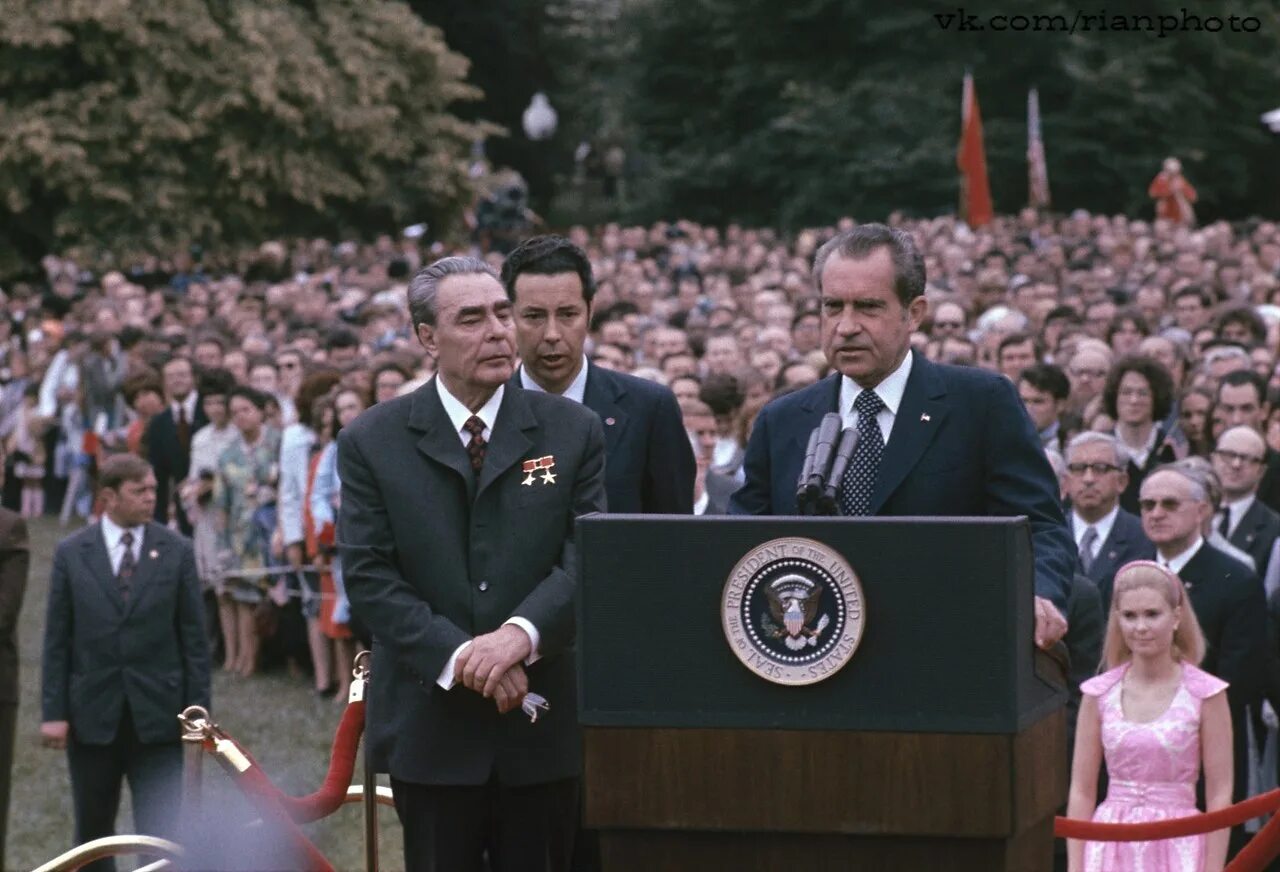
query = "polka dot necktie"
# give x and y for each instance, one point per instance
(127, 565)
(475, 448)
(860, 478)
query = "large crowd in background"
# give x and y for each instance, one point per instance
(234, 378)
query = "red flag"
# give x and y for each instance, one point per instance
(1037, 170)
(971, 159)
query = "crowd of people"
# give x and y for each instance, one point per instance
(1144, 352)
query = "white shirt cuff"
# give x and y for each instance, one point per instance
(534, 638)
(446, 675)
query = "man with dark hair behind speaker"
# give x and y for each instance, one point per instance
(649, 466)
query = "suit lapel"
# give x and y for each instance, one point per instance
(602, 396)
(920, 416)
(508, 442)
(145, 573)
(1248, 528)
(439, 442)
(94, 548)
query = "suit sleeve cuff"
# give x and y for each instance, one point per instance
(445, 680)
(534, 638)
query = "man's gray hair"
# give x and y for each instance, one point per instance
(1226, 352)
(1199, 473)
(863, 241)
(1092, 437)
(424, 287)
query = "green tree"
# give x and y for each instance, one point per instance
(130, 126)
(796, 113)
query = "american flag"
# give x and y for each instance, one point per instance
(1037, 170)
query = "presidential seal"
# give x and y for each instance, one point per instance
(793, 611)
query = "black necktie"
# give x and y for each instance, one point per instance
(1225, 526)
(127, 565)
(475, 448)
(184, 428)
(860, 479)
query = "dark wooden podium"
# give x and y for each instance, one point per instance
(937, 747)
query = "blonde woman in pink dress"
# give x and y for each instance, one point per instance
(1156, 719)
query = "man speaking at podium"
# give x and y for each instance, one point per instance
(933, 440)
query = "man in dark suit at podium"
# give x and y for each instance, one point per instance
(932, 439)
(1095, 479)
(649, 466)
(458, 509)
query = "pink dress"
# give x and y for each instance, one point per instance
(1153, 768)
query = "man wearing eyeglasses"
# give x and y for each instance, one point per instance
(948, 320)
(1107, 537)
(1226, 595)
(1239, 460)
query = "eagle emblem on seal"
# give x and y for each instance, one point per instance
(793, 609)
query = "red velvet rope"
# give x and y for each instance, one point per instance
(265, 796)
(1261, 850)
(1234, 815)
(342, 767)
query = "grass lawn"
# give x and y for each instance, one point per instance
(277, 718)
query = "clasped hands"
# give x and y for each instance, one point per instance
(492, 666)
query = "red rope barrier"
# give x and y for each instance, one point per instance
(1191, 825)
(342, 767)
(1261, 850)
(326, 800)
(266, 797)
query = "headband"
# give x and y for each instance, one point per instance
(1174, 581)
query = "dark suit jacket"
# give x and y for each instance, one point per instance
(1229, 604)
(1086, 625)
(961, 444)
(170, 462)
(1256, 533)
(1124, 543)
(649, 465)
(100, 651)
(1269, 487)
(431, 558)
(15, 560)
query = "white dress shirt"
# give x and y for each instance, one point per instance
(576, 390)
(112, 533)
(890, 391)
(1175, 563)
(459, 414)
(701, 503)
(1079, 525)
(188, 405)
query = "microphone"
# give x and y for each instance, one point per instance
(828, 432)
(844, 454)
(806, 493)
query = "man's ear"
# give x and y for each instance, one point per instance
(427, 337)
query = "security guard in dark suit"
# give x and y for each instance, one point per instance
(125, 652)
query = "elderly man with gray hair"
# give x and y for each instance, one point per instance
(1225, 593)
(1107, 537)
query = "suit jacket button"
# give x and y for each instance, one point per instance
(484, 585)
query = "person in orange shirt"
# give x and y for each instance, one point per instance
(1173, 194)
